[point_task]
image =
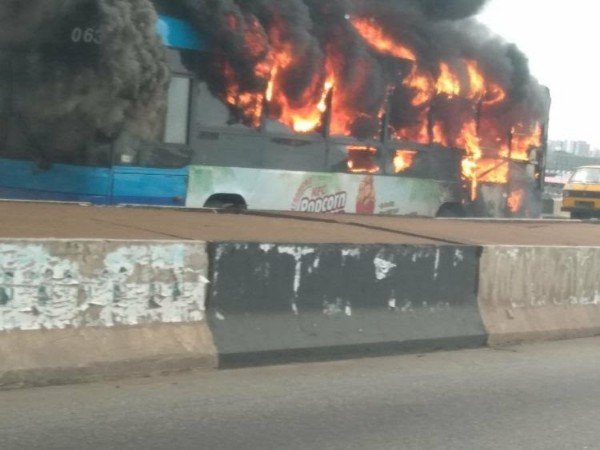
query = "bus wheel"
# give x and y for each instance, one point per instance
(226, 201)
(451, 210)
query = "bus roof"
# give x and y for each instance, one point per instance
(177, 33)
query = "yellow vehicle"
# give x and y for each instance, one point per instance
(581, 195)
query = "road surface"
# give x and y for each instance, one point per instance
(542, 396)
(48, 220)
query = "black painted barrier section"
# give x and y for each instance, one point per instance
(280, 303)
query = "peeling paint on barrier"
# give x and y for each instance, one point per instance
(436, 265)
(459, 257)
(383, 267)
(351, 253)
(298, 253)
(65, 284)
(283, 298)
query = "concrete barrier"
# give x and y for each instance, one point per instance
(532, 293)
(73, 310)
(286, 302)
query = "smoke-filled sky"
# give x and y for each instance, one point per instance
(74, 89)
(560, 39)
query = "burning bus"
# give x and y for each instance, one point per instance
(387, 107)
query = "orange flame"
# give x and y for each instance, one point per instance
(423, 85)
(404, 160)
(271, 85)
(331, 94)
(376, 37)
(418, 133)
(494, 95)
(515, 200)
(249, 103)
(447, 83)
(492, 171)
(524, 140)
(469, 140)
(327, 88)
(304, 116)
(477, 81)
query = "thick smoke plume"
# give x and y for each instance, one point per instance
(298, 46)
(79, 71)
(450, 10)
(74, 72)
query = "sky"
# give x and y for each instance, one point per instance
(561, 41)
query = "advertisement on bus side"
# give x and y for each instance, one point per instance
(320, 192)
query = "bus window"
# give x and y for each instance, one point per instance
(210, 112)
(178, 108)
(363, 128)
(272, 126)
(129, 150)
(403, 160)
(362, 159)
(301, 129)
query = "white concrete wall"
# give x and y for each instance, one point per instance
(72, 284)
(540, 292)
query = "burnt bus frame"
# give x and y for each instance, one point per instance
(384, 145)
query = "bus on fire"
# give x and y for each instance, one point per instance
(212, 156)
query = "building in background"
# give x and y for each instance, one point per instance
(582, 148)
(577, 148)
(566, 155)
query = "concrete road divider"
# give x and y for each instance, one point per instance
(73, 310)
(286, 302)
(86, 310)
(530, 293)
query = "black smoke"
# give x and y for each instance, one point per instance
(319, 31)
(63, 94)
(73, 72)
(450, 9)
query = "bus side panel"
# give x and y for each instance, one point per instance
(60, 182)
(146, 186)
(321, 192)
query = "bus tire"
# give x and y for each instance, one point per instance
(451, 210)
(232, 202)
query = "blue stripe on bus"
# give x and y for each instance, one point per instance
(177, 33)
(28, 194)
(61, 182)
(147, 186)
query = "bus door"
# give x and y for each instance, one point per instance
(150, 174)
(156, 173)
(149, 186)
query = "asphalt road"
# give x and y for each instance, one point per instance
(543, 396)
